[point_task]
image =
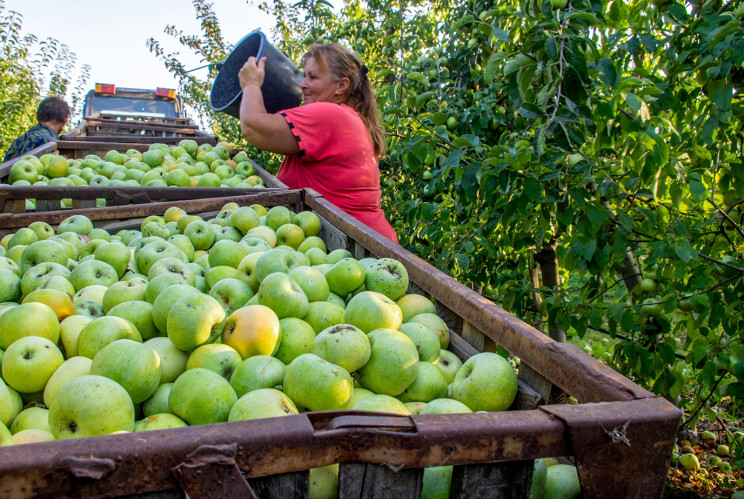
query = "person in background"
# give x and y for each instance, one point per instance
(52, 115)
(333, 141)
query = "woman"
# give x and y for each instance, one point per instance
(333, 141)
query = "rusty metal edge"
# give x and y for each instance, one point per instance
(116, 464)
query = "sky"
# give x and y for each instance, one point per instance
(111, 36)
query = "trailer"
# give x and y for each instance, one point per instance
(619, 435)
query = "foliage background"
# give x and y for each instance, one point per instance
(581, 166)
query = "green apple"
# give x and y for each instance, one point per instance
(309, 222)
(436, 481)
(283, 295)
(159, 283)
(184, 244)
(246, 270)
(200, 233)
(415, 407)
(11, 403)
(334, 298)
(337, 255)
(253, 330)
(485, 382)
(312, 282)
(160, 421)
(449, 364)
(79, 224)
(5, 436)
(265, 232)
(316, 384)
(172, 360)
(133, 365)
(154, 251)
(93, 272)
(393, 364)
(217, 357)
(23, 170)
(88, 406)
(94, 293)
(104, 330)
(255, 244)
(414, 304)
(91, 247)
(31, 318)
(37, 276)
(193, 320)
(262, 403)
(436, 324)
(426, 340)
(387, 276)
(323, 481)
(121, 292)
(232, 293)
(32, 436)
(343, 345)
(162, 304)
(244, 219)
(445, 406)
(115, 254)
(59, 301)
(345, 276)
(7, 263)
(38, 252)
(22, 237)
(29, 362)
(72, 368)
(356, 396)
(429, 384)
(269, 262)
(226, 233)
(382, 403)
(317, 256)
(158, 401)
(256, 372)
(227, 252)
(89, 308)
(562, 481)
(539, 479)
(311, 242)
(139, 313)
(98, 234)
(174, 266)
(290, 235)
(10, 286)
(201, 396)
(31, 418)
(296, 338)
(215, 274)
(370, 310)
(69, 330)
(278, 216)
(324, 314)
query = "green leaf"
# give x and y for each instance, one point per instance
(697, 191)
(608, 72)
(462, 22)
(492, 67)
(530, 111)
(471, 177)
(533, 188)
(463, 260)
(551, 48)
(633, 101)
(429, 210)
(722, 97)
(709, 128)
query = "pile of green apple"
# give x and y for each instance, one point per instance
(184, 165)
(191, 320)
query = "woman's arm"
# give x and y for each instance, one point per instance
(269, 132)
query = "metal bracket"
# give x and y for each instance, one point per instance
(211, 472)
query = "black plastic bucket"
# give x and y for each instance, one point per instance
(281, 86)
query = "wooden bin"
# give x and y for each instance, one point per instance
(48, 198)
(137, 126)
(619, 435)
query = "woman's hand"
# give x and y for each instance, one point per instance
(252, 72)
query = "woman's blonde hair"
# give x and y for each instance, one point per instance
(343, 63)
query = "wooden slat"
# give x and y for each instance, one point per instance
(374, 481)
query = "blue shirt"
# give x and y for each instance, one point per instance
(38, 135)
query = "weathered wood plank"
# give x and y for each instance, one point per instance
(505, 480)
(369, 481)
(284, 486)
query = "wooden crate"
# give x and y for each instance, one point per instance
(137, 126)
(48, 198)
(619, 435)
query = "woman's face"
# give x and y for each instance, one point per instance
(318, 85)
